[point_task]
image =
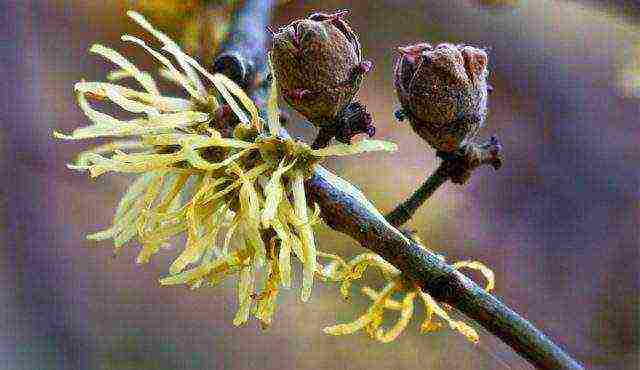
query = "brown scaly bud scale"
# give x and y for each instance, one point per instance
(443, 92)
(319, 67)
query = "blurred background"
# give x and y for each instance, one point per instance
(558, 223)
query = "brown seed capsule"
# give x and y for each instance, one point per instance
(318, 64)
(443, 92)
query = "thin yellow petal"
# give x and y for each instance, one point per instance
(107, 126)
(244, 99)
(196, 160)
(143, 78)
(306, 235)
(470, 333)
(133, 193)
(230, 233)
(138, 18)
(245, 290)
(163, 103)
(361, 146)
(109, 148)
(460, 326)
(389, 304)
(219, 85)
(274, 193)
(284, 256)
(273, 112)
(364, 320)
(184, 80)
(193, 274)
(117, 75)
(128, 104)
(196, 244)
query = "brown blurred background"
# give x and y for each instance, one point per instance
(558, 223)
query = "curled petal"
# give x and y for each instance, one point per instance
(475, 265)
(372, 313)
(406, 312)
(389, 304)
(460, 326)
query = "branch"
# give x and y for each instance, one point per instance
(346, 210)
(243, 52)
(457, 168)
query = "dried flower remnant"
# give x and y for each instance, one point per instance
(238, 200)
(443, 92)
(383, 300)
(318, 62)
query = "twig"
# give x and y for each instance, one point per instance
(457, 168)
(346, 210)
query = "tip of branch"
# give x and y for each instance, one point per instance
(235, 67)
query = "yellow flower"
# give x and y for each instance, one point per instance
(396, 284)
(239, 201)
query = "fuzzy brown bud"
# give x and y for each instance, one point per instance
(318, 65)
(443, 92)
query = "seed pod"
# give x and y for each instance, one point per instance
(443, 92)
(318, 64)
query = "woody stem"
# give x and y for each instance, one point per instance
(405, 210)
(457, 168)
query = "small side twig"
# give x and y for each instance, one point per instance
(457, 168)
(405, 210)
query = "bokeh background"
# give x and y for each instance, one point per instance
(558, 223)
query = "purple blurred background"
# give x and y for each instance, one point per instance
(558, 223)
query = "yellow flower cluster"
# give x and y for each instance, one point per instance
(240, 200)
